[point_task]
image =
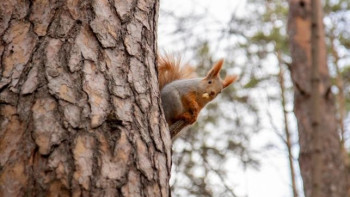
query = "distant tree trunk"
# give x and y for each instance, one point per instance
(320, 158)
(288, 140)
(79, 100)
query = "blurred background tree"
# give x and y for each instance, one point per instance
(321, 157)
(253, 120)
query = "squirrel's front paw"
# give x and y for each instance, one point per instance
(188, 117)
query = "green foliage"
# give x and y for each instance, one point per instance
(274, 36)
(346, 77)
(253, 82)
(336, 5)
(345, 41)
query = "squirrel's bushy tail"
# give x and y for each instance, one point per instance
(170, 69)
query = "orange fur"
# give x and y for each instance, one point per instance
(214, 72)
(170, 69)
(189, 102)
(229, 79)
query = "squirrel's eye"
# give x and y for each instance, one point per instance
(209, 81)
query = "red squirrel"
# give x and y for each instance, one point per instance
(183, 96)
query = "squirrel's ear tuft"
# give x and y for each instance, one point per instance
(214, 72)
(228, 80)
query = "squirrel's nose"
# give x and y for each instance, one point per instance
(212, 93)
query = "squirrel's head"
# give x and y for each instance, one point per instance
(213, 85)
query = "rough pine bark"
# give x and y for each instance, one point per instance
(321, 162)
(79, 101)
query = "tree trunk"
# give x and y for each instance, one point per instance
(320, 158)
(288, 140)
(79, 100)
